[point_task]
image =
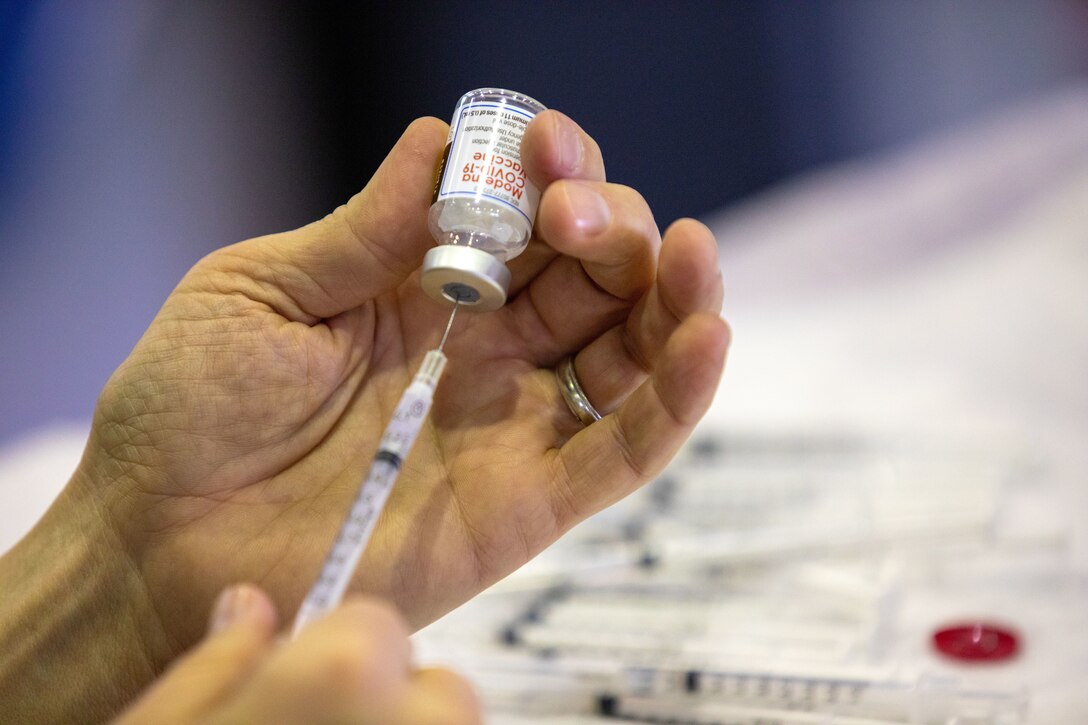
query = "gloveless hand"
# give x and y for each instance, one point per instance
(230, 443)
(352, 666)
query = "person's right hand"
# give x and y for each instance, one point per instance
(352, 666)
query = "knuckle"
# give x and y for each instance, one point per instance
(635, 218)
(628, 198)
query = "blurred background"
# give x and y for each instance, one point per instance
(137, 137)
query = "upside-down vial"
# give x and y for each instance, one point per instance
(484, 205)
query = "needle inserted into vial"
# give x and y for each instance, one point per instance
(449, 324)
(358, 526)
(480, 219)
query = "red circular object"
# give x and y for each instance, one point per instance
(976, 642)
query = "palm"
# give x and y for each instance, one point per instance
(476, 494)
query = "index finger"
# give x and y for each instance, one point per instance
(358, 655)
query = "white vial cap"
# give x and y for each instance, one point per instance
(454, 273)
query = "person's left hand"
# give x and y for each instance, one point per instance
(231, 442)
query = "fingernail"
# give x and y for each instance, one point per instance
(591, 212)
(231, 606)
(568, 143)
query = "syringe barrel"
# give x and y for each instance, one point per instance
(397, 439)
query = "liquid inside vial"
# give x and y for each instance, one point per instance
(474, 223)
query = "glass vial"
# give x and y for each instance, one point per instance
(484, 205)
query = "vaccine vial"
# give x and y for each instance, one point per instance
(484, 205)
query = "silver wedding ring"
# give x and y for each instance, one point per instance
(572, 392)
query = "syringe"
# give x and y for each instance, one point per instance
(846, 692)
(636, 709)
(774, 694)
(355, 532)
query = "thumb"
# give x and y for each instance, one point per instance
(243, 623)
(364, 248)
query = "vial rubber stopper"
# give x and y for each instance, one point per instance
(464, 275)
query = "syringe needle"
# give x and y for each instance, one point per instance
(449, 325)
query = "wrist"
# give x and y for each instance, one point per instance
(78, 634)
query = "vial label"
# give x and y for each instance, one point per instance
(483, 157)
